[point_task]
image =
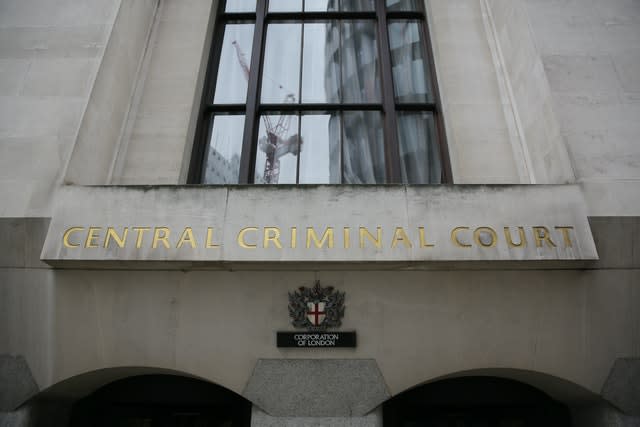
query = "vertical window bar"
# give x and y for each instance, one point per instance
(300, 99)
(340, 98)
(447, 174)
(341, 147)
(340, 69)
(200, 140)
(249, 141)
(391, 148)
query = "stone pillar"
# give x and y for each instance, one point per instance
(19, 418)
(316, 392)
(20, 404)
(601, 415)
(38, 413)
(622, 388)
(260, 418)
(621, 394)
(16, 382)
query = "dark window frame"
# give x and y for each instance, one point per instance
(253, 108)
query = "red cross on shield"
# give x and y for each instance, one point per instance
(316, 313)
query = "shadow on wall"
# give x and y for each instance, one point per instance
(133, 396)
(475, 401)
(502, 397)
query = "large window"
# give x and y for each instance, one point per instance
(320, 92)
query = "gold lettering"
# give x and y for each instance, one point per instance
(112, 235)
(423, 240)
(187, 237)
(522, 241)
(565, 236)
(67, 234)
(91, 237)
(294, 237)
(161, 234)
(454, 237)
(210, 244)
(400, 236)
(346, 236)
(271, 234)
(481, 232)
(326, 236)
(377, 240)
(541, 234)
(241, 239)
(140, 236)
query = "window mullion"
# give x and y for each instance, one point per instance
(201, 136)
(300, 99)
(249, 141)
(391, 148)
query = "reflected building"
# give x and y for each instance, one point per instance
(352, 76)
(220, 169)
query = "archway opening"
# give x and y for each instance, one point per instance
(475, 402)
(161, 401)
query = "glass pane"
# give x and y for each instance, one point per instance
(410, 70)
(320, 5)
(321, 63)
(419, 151)
(240, 6)
(285, 5)
(363, 148)
(335, 5)
(360, 78)
(278, 147)
(320, 153)
(356, 5)
(408, 5)
(231, 82)
(281, 72)
(222, 157)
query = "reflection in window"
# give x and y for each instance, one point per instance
(240, 6)
(280, 77)
(231, 87)
(419, 154)
(318, 5)
(278, 148)
(363, 148)
(222, 165)
(320, 64)
(319, 110)
(359, 60)
(410, 73)
(321, 5)
(285, 6)
(405, 5)
(320, 154)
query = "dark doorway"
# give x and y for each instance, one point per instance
(475, 402)
(161, 401)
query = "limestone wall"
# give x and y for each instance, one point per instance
(50, 52)
(591, 55)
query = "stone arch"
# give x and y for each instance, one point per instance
(528, 396)
(557, 388)
(135, 392)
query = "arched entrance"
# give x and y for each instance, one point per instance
(161, 401)
(475, 402)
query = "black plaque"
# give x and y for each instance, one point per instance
(316, 339)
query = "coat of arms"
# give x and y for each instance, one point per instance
(316, 308)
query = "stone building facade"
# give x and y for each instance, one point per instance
(514, 289)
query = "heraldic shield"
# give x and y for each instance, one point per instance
(316, 312)
(316, 308)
